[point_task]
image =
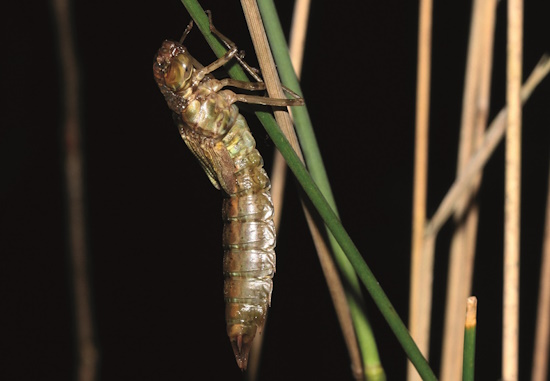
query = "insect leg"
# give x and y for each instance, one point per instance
(265, 101)
(239, 57)
(231, 45)
(186, 31)
(217, 64)
(252, 86)
(230, 54)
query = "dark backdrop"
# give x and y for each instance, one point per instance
(154, 229)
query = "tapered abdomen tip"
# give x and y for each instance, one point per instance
(241, 347)
(241, 337)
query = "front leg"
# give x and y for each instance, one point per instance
(232, 46)
(230, 54)
(251, 86)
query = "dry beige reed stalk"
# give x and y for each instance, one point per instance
(421, 266)
(473, 123)
(512, 194)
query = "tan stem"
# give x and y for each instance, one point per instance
(421, 266)
(474, 119)
(512, 193)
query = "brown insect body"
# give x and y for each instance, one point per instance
(218, 135)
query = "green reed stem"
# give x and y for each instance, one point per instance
(314, 161)
(468, 362)
(323, 207)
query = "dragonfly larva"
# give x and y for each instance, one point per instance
(212, 127)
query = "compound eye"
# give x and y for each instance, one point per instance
(179, 72)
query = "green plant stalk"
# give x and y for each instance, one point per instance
(362, 269)
(314, 161)
(468, 363)
(325, 211)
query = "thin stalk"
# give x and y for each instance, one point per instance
(338, 295)
(296, 49)
(325, 211)
(331, 274)
(512, 188)
(373, 368)
(86, 349)
(279, 168)
(267, 64)
(421, 266)
(542, 331)
(298, 32)
(274, 89)
(468, 364)
(363, 271)
(473, 123)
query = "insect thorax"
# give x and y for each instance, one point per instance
(209, 113)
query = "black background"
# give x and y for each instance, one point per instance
(154, 219)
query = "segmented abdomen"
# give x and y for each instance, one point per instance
(248, 265)
(247, 212)
(249, 242)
